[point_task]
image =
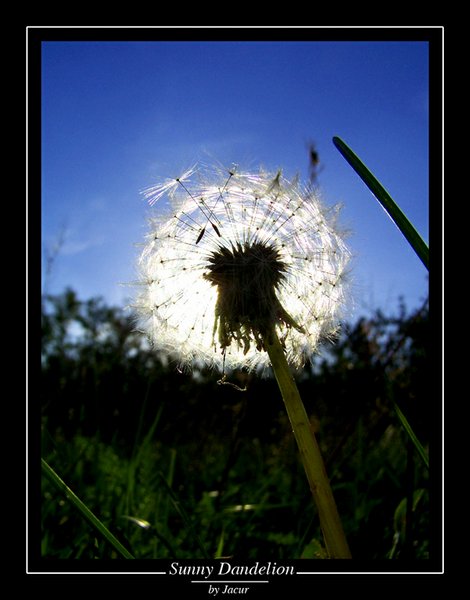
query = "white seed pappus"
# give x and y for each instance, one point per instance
(226, 209)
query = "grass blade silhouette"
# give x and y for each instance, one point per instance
(391, 207)
(49, 472)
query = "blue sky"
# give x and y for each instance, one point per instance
(118, 116)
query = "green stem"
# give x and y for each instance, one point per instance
(333, 534)
(84, 510)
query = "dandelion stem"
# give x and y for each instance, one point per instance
(333, 534)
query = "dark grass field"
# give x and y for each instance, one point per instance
(177, 466)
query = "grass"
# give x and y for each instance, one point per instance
(165, 502)
(87, 514)
(156, 515)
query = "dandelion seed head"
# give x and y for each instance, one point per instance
(240, 254)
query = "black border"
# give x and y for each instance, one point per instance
(231, 33)
(328, 569)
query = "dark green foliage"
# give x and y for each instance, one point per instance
(179, 466)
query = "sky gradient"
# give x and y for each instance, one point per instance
(117, 117)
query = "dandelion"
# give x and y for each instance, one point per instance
(239, 255)
(248, 271)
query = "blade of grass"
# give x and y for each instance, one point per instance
(220, 545)
(411, 434)
(52, 476)
(138, 453)
(142, 524)
(164, 504)
(184, 515)
(391, 207)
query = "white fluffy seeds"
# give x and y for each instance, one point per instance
(211, 215)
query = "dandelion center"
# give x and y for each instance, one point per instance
(247, 277)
